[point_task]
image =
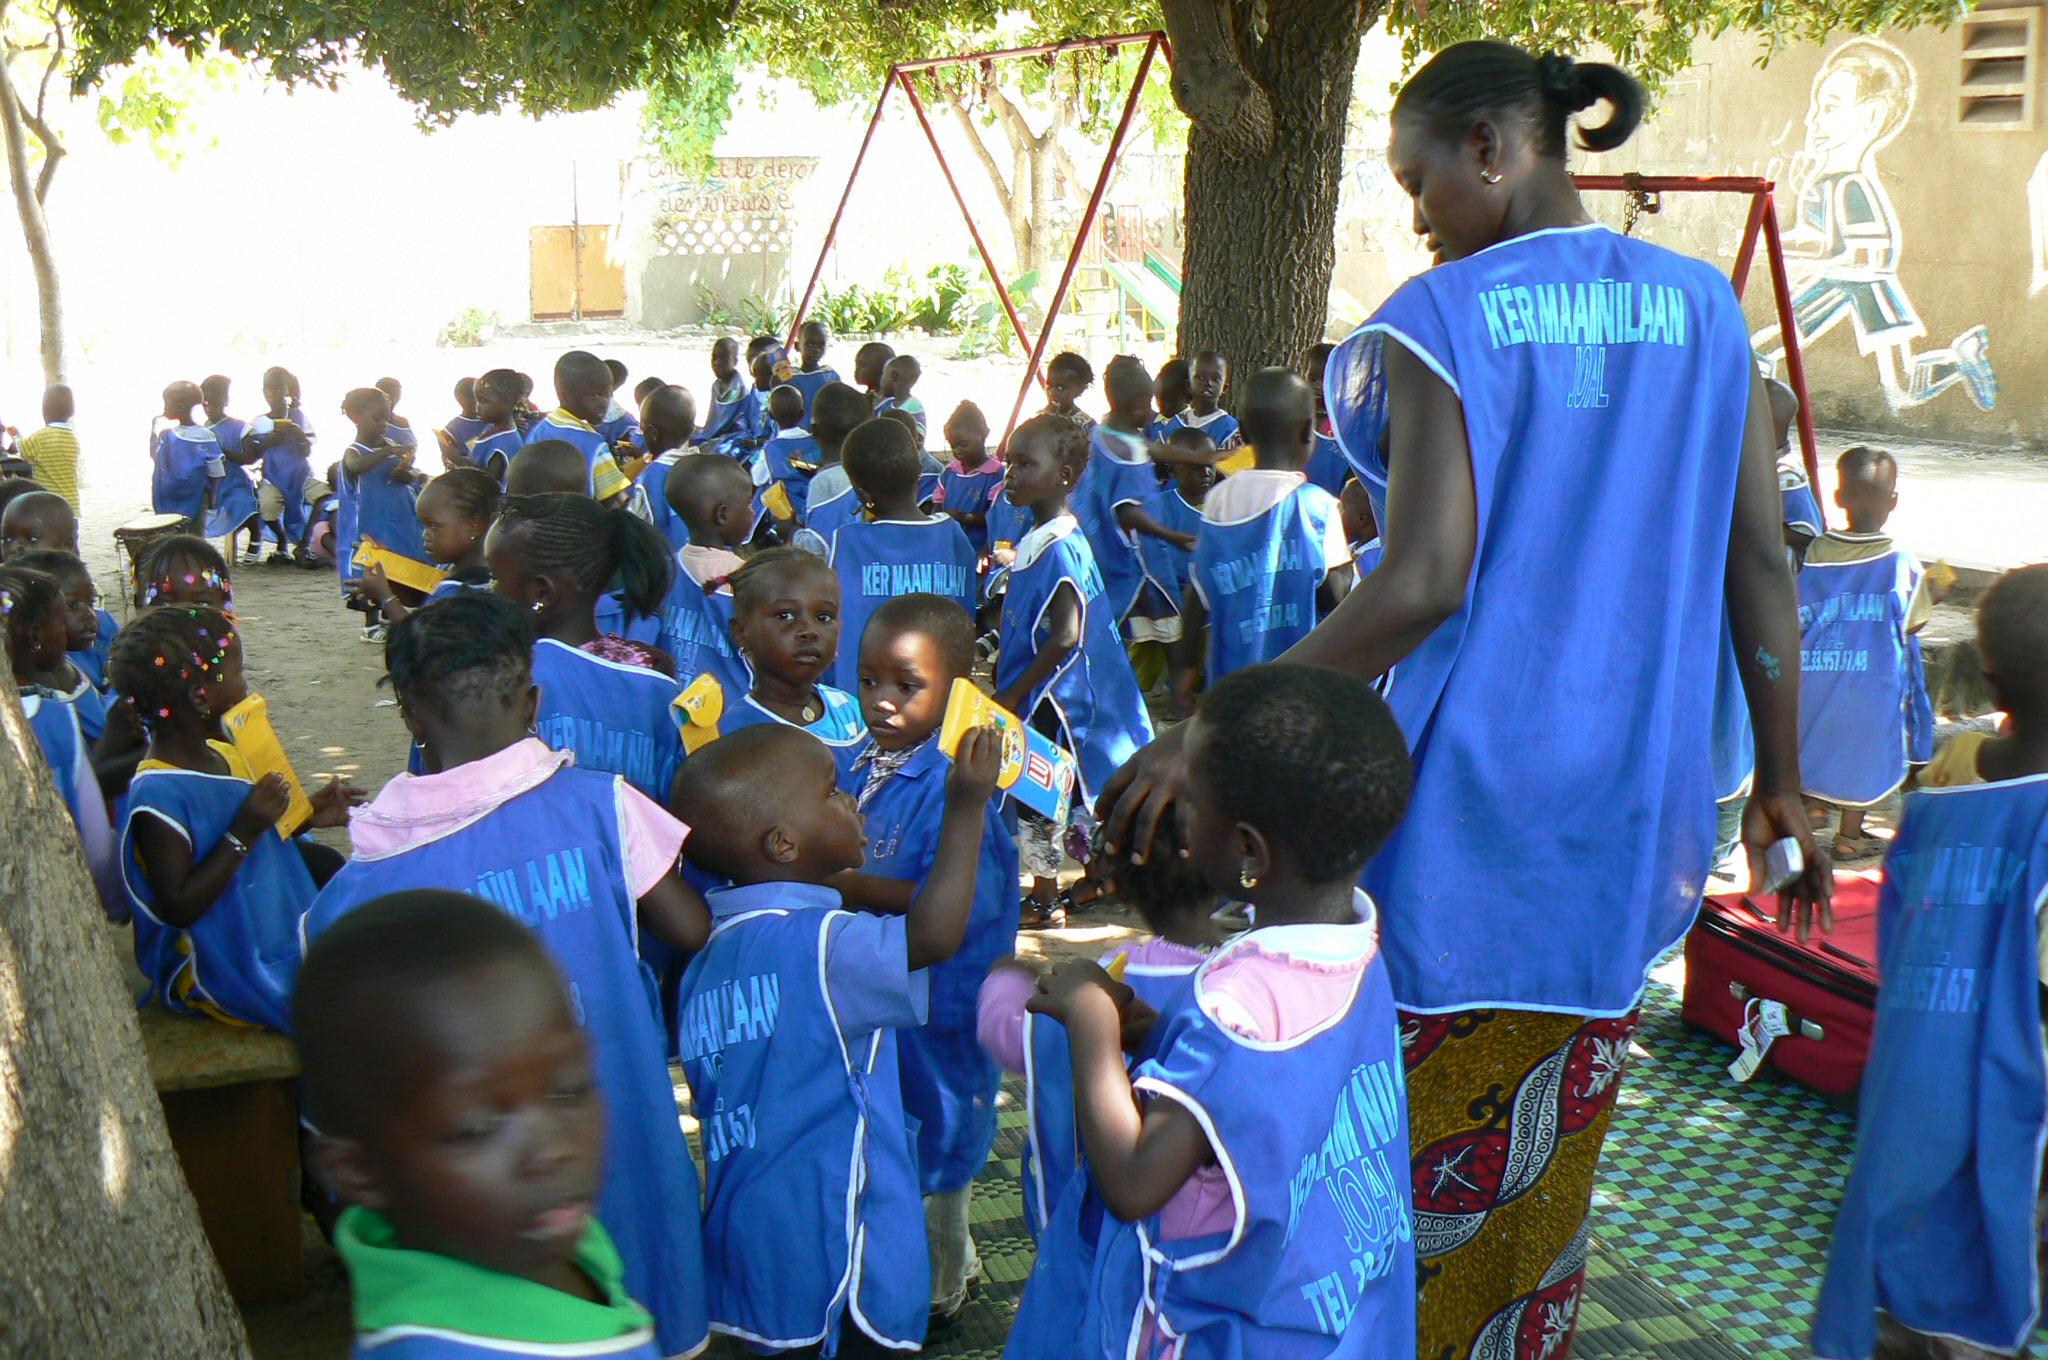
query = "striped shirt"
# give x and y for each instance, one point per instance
(53, 454)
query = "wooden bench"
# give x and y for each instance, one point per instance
(230, 1100)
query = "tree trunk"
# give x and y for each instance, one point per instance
(100, 1247)
(35, 227)
(1266, 87)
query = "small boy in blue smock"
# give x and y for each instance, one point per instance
(668, 421)
(812, 375)
(813, 1227)
(892, 548)
(583, 391)
(829, 501)
(185, 458)
(1208, 375)
(913, 649)
(739, 413)
(1273, 558)
(1861, 600)
(899, 378)
(789, 459)
(1155, 624)
(1111, 497)
(468, 1233)
(972, 480)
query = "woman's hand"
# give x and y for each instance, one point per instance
(1809, 898)
(1140, 792)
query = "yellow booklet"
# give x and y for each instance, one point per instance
(248, 727)
(399, 569)
(1034, 771)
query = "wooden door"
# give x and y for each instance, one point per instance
(552, 272)
(600, 283)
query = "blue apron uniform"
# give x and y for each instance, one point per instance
(1321, 1262)
(970, 493)
(1167, 564)
(588, 441)
(696, 629)
(462, 431)
(234, 495)
(1052, 1141)
(1220, 426)
(91, 707)
(789, 460)
(1119, 472)
(554, 859)
(735, 418)
(840, 726)
(1801, 510)
(1326, 466)
(1856, 674)
(652, 487)
(92, 661)
(1099, 713)
(880, 560)
(1937, 1224)
(239, 958)
(59, 730)
(826, 517)
(1259, 578)
(615, 717)
(494, 452)
(1007, 522)
(384, 505)
(949, 1084)
(812, 1213)
(286, 466)
(1365, 556)
(620, 427)
(1571, 348)
(184, 460)
(810, 383)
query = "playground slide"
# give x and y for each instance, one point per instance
(1142, 286)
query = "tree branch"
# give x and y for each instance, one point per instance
(981, 151)
(1210, 80)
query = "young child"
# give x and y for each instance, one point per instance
(1801, 510)
(378, 478)
(1272, 557)
(812, 1223)
(1067, 378)
(35, 521)
(668, 420)
(870, 366)
(33, 620)
(1061, 665)
(1361, 528)
(547, 467)
(620, 427)
(1207, 377)
(601, 696)
(899, 378)
(829, 500)
(1936, 1245)
(234, 493)
(894, 548)
(1179, 907)
(972, 479)
(183, 569)
(1170, 393)
(455, 512)
(1861, 599)
(1327, 467)
(737, 413)
(216, 891)
(710, 496)
(66, 678)
(281, 443)
(811, 378)
(782, 477)
(785, 627)
(481, 1242)
(52, 452)
(185, 458)
(1110, 500)
(585, 862)
(912, 650)
(393, 390)
(1247, 1181)
(493, 446)
(1189, 457)
(583, 393)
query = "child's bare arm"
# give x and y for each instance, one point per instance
(1139, 1155)
(1336, 585)
(877, 893)
(937, 917)
(673, 912)
(1062, 635)
(359, 460)
(182, 891)
(1134, 519)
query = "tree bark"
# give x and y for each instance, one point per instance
(101, 1251)
(1266, 87)
(29, 194)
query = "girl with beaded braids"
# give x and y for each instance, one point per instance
(601, 696)
(582, 858)
(216, 891)
(1578, 448)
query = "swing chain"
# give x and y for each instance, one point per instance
(1640, 201)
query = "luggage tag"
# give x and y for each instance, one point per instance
(1763, 1024)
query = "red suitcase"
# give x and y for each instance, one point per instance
(1829, 984)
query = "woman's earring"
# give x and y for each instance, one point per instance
(535, 606)
(1246, 879)
(1490, 176)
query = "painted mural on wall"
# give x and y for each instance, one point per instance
(2037, 222)
(1843, 243)
(740, 205)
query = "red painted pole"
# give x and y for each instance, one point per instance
(1788, 335)
(832, 231)
(1087, 223)
(1041, 50)
(1710, 184)
(988, 261)
(1745, 256)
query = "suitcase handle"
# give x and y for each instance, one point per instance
(1805, 1029)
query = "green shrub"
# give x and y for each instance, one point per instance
(470, 327)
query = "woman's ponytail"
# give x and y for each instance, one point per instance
(1574, 86)
(1469, 82)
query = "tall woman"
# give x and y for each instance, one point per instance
(1573, 456)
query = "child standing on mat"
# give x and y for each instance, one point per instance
(583, 860)
(1936, 1246)
(815, 1233)
(892, 548)
(466, 1234)
(1861, 600)
(1247, 1181)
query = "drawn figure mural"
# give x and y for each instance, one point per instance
(1843, 243)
